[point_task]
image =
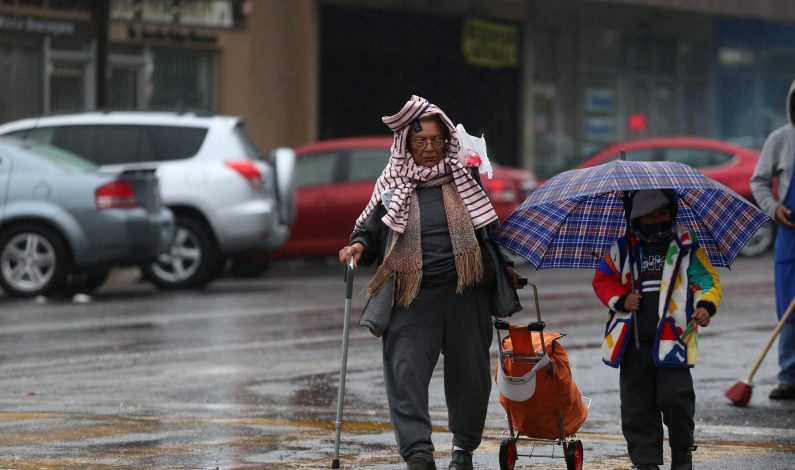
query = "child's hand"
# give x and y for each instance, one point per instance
(701, 316)
(632, 302)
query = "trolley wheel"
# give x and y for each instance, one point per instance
(508, 454)
(572, 452)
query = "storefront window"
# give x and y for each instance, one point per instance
(664, 57)
(67, 87)
(734, 108)
(21, 67)
(183, 79)
(123, 87)
(600, 48)
(600, 106)
(774, 107)
(779, 60)
(694, 58)
(695, 114)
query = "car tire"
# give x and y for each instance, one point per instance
(761, 241)
(33, 260)
(192, 260)
(85, 282)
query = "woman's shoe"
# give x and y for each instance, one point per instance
(418, 463)
(462, 460)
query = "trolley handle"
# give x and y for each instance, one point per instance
(536, 326)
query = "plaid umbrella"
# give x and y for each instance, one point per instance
(571, 220)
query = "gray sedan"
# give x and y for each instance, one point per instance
(64, 221)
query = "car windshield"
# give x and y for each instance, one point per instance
(62, 157)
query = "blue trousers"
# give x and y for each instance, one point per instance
(785, 291)
(786, 353)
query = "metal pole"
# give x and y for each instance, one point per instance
(343, 367)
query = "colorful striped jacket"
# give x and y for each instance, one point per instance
(688, 277)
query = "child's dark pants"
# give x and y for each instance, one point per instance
(651, 396)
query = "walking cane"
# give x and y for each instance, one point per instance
(341, 392)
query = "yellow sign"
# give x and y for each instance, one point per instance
(488, 44)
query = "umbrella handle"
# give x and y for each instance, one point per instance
(627, 205)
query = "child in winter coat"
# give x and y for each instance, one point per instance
(652, 332)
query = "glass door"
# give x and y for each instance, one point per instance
(127, 79)
(69, 84)
(67, 87)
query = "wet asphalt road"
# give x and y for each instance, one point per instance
(244, 374)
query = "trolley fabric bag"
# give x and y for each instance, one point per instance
(554, 388)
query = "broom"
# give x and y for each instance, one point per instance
(740, 393)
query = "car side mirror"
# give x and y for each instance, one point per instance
(283, 161)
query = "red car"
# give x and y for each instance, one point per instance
(726, 163)
(335, 179)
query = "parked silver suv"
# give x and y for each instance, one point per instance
(227, 198)
(64, 221)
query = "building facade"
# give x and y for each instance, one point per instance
(251, 59)
(548, 83)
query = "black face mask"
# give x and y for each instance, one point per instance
(653, 232)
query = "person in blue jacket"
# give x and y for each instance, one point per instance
(775, 163)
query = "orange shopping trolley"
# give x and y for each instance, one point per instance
(542, 403)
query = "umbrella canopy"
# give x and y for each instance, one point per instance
(572, 219)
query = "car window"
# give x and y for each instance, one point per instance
(63, 157)
(640, 155)
(39, 134)
(315, 169)
(177, 142)
(367, 164)
(107, 144)
(251, 149)
(697, 158)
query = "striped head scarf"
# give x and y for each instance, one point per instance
(466, 205)
(403, 175)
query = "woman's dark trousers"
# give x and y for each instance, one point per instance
(458, 326)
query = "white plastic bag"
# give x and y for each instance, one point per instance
(473, 151)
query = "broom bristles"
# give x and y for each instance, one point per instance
(740, 393)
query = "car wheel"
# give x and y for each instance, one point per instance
(192, 261)
(760, 241)
(85, 282)
(33, 260)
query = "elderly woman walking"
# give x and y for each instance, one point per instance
(427, 207)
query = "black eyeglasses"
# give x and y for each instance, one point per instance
(422, 143)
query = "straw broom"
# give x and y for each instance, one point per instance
(740, 393)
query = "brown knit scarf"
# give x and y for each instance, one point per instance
(404, 257)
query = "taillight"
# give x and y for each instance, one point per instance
(116, 195)
(247, 170)
(502, 191)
